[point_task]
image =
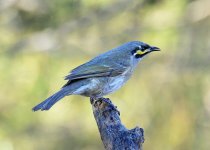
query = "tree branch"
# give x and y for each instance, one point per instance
(114, 134)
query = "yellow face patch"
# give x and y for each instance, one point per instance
(140, 52)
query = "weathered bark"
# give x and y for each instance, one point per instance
(114, 135)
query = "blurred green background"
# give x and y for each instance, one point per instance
(168, 95)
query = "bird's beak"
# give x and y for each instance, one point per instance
(149, 50)
(153, 48)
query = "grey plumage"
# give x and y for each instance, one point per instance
(50, 101)
(102, 75)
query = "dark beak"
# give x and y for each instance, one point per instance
(153, 48)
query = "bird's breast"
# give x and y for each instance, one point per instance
(114, 83)
(100, 86)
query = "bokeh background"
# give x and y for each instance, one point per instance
(168, 95)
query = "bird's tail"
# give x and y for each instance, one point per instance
(49, 102)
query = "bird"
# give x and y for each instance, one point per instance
(102, 75)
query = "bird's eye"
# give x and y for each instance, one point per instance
(135, 50)
(140, 50)
(144, 47)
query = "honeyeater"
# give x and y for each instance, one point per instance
(103, 74)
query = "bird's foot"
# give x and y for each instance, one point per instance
(92, 100)
(107, 101)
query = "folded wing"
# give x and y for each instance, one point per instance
(90, 71)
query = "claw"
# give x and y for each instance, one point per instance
(106, 100)
(94, 101)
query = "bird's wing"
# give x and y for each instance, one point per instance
(100, 66)
(90, 71)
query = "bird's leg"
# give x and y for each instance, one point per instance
(106, 100)
(94, 100)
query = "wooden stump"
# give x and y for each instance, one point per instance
(114, 135)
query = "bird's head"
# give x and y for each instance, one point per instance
(139, 49)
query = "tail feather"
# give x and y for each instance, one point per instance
(49, 102)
